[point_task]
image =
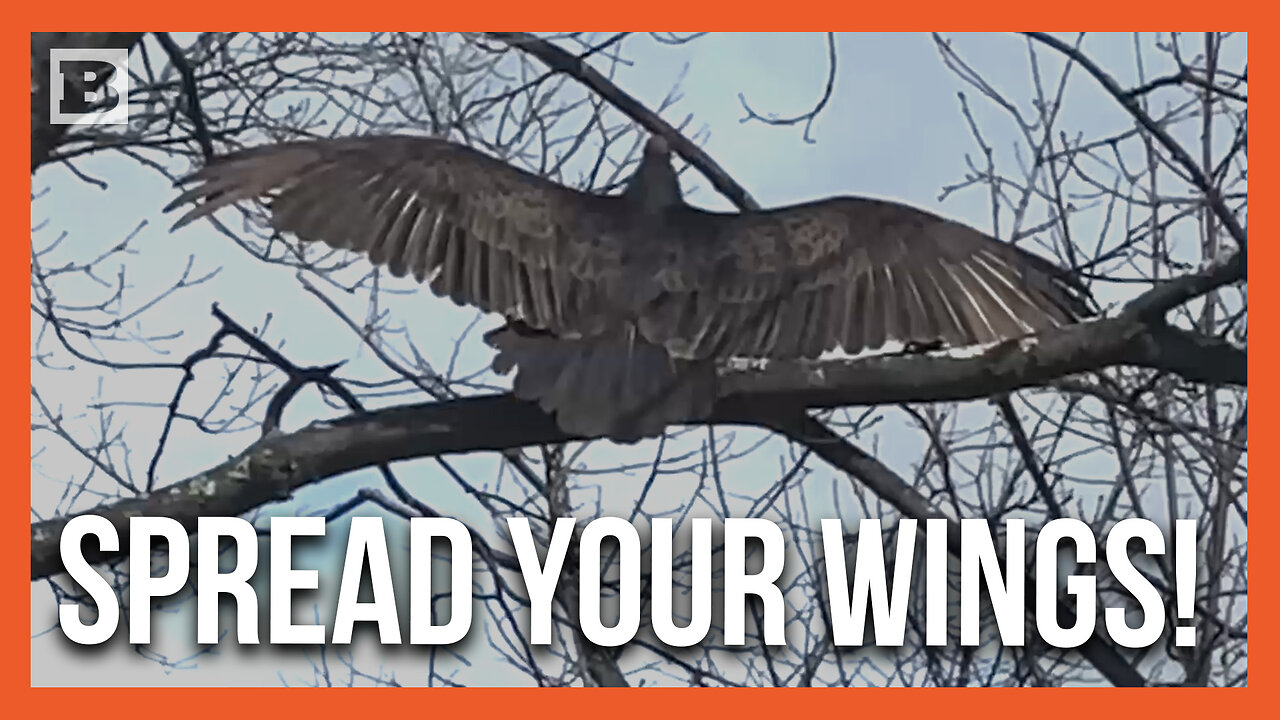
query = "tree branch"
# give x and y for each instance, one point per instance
(1009, 366)
(191, 93)
(562, 61)
(1130, 103)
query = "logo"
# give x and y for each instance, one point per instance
(89, 85)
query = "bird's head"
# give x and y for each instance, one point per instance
(654, 186)
(657, 147)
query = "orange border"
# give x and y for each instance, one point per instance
(741, 15)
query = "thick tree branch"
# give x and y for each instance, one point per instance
(1165, 296)
(1012, 365)
(45, 136)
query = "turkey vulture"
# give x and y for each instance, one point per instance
(619, 306)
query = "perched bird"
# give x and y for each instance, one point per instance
(619, 306)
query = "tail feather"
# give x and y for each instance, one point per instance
(615, 385)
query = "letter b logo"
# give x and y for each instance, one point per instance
(89, 85)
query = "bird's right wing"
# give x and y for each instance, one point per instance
(478, 230)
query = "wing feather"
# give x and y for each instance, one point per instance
(427, 258)
(818, 322)
(501, 284)
(921, 316)
(872, 310)
(950, 328)
(886, 301)
(478, 230)
(997, 316)
(847, 273)
(389, 249)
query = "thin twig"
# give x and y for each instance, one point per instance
(1179, 153)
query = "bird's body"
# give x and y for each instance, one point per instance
(619, 307)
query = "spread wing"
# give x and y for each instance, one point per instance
(846, 274)
(480, 231)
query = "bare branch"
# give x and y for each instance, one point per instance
(1174, 148)
(562, 61)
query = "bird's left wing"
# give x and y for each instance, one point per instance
(845, 274)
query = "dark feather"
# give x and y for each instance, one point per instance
(635, 388)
